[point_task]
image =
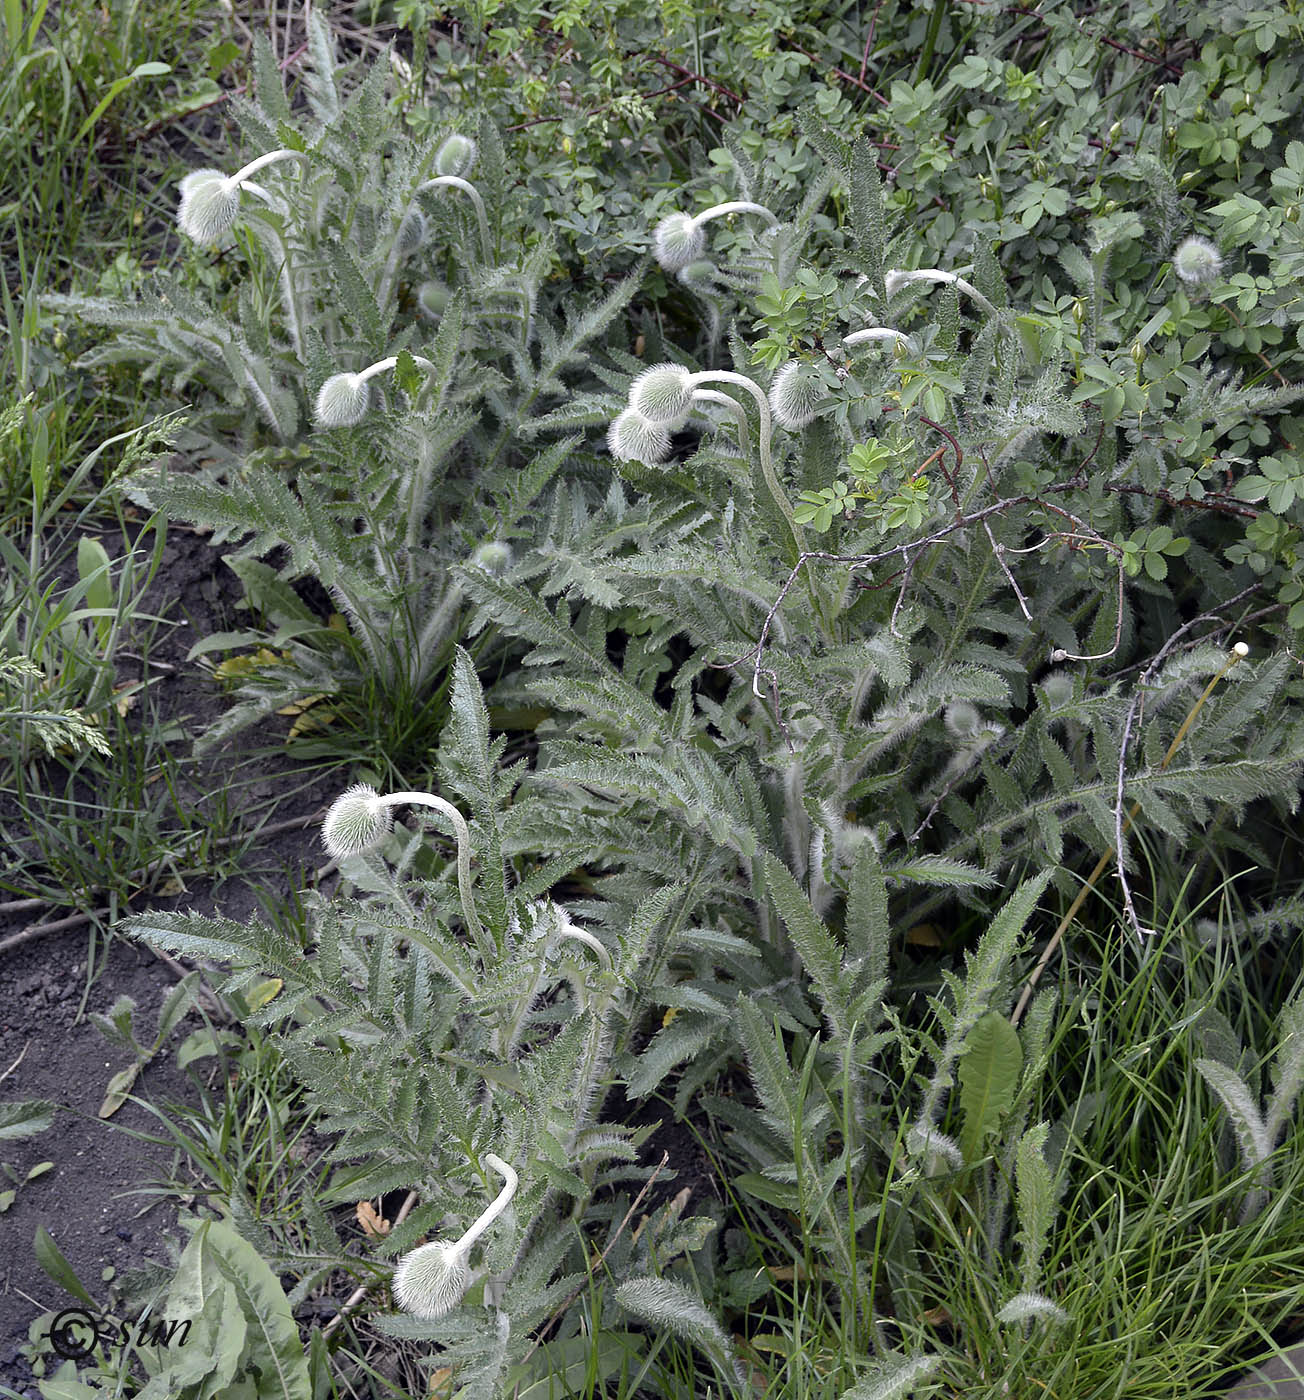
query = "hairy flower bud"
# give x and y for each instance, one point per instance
(633, 438)
(677, 241)
(662, 394)
(356, 822)
(210, 205)
(1197, 262)
(411, 232)
(432, 1280)
(455, 156)
(795, 394)
(494, 556)
(342, 401)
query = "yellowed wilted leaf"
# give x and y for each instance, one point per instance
(126, 701)
(308, 723)
(172, 885)
(299, 706)
(441, 1383)
(373, 1223)
(119, 1087)
(924, 936)
(262, 992)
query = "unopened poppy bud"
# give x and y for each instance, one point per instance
(796, 394)
(411, 232)
(342, 401)
(662, 394)
(677, 241)
(494, 556)
(432, 1280)
(356, 822)
(1197, 262)
(455, 156)
(433, 299)
(210, 205)
(633, 438)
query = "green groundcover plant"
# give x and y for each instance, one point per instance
(841, 567)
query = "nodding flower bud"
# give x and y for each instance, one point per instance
(432, 1280)
(342, 401)
(494, 556)
(677, 241)
(795, 394)
(633, 438)
(662, 394)
(455, 156)
(356, 822)
(210, 205)
(1197, 262)
(411, 232)
(210, 201)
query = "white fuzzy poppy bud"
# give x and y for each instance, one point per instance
(455, 156)
(432, 1280)
(962, 719)
(677, 241)
(1197, 262)
(662, 394)
(356, 822)
(795, 394)
(633, 438)
(494, 556)
(210, 205)
(411, 232)
(342, 401)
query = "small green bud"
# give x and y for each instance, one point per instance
(411, 232)
(433, 299)
(455, 156)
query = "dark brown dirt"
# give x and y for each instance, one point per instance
(91, 1201)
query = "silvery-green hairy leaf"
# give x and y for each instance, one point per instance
(894, 1379)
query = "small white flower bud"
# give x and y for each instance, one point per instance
(1058, 689)
(432, 1280)
(411, 232)
(662, 394)
(356, 822)
(962, 719)
(494, 556)
(795, 394)
(633, 438)
(210, 205)
(1197, 262)
(455, 156)
(342, 401)
(677, 241)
